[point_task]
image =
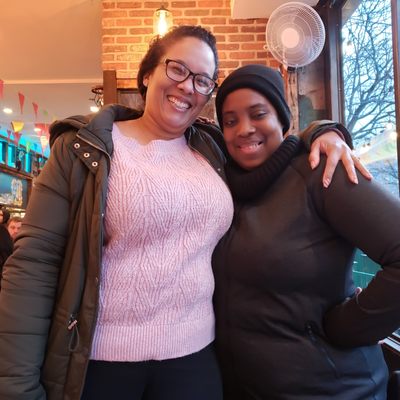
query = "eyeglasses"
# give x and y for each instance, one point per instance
(179, 72)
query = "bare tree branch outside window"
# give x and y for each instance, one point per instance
(369, 87)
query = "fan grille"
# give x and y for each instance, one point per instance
(295, 34)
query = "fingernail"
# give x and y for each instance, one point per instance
(355, 180)
(313, 164)
(326, 182)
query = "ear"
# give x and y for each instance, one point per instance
(146, 80)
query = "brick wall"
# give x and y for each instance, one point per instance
(128, 28)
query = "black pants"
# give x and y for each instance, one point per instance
(193, 377)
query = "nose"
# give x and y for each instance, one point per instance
(245, 127)
(187, 85)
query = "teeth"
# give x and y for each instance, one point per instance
(179, 104)
(250, 146)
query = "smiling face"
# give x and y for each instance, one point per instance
(171, 106)
(252, 130)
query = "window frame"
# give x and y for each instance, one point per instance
(331, 13)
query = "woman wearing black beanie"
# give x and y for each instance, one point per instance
(290, 323)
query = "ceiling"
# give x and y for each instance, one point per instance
(259, 8)
(50, 53)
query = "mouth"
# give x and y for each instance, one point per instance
(179, 104)
(250, 148)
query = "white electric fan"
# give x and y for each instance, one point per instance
(295, 34)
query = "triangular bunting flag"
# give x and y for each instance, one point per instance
(41, 126)
(17, 137)
(17, 125)
(35, 109)
(21, 101)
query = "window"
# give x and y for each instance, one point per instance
(3, 151)
(369, 98)
(28, 162)
(11, 155)
(368, 86)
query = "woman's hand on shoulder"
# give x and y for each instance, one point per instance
(205, 120)
(331, 144)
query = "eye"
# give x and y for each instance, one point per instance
(259, 115)
(203, 81)
(229, 122)
(178, 69)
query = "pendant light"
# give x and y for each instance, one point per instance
(162, 21)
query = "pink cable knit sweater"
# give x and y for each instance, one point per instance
(166, 211)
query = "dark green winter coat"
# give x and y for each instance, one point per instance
(50, 286)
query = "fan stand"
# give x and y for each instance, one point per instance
(289, 75)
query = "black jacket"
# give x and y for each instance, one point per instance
(285, 327)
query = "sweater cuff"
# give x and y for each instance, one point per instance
(318, 128)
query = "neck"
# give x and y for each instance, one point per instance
(247, 185)
(152, 129)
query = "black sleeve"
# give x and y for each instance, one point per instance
(30, 279)
(368, 217)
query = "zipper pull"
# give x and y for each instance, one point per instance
(310, 332)
(73, 326)
(71, 323)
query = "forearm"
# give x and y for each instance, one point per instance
(318, 128)
(368, 317)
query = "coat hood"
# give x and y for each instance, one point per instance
(98, 126)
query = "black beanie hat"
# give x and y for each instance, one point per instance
(264, 80)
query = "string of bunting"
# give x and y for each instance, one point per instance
(41, 129)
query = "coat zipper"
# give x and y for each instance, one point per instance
(317, 343)
(72, 323)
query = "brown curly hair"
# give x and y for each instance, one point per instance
(159, 45)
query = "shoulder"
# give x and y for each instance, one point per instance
(211, 133)
(68, 125)
(301, 165)
(98, 125)
(364, 196)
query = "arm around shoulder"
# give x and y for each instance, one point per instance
(317, 128)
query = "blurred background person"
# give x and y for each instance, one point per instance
(6, 246)
(4, 215)
(13, 226)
